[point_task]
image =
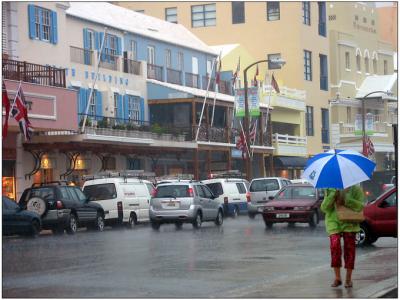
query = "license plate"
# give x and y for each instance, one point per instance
(282, 215)
(260, 209)
(172, 204)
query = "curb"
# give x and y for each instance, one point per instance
(379, 290)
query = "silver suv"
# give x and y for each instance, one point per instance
(184, 202)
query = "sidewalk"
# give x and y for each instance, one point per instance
(375, 275)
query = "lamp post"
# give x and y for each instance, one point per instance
(281, 62)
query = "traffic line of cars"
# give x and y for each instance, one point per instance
(110, 201)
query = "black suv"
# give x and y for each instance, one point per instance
(62, 206)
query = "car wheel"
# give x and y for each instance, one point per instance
(37, 205)
(35, 228)
(72, 224)
(252, 215)
(155, 225)
(314, 220)
(235, 212)
(268, 224)
(99, 223)
(132, 221)
(220, 219)
(197, 221)
(178, 225)
(364, 236)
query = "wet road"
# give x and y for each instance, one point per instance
(141, 263)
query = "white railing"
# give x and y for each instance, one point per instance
(379, 127)
(289, 139)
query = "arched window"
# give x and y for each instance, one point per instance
(366, 63)
(375, 62)
(358, 60)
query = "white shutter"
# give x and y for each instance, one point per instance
(4, 37)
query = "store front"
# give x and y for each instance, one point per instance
(290, 167)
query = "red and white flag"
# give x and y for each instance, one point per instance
(368, 147)
(241, 143)
(275, 84)
(253, 130)
(255, 77)
(6, 105)
(218, 75)
(236, 74)
(19, 112)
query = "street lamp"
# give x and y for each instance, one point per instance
(278, 61)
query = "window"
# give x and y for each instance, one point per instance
(385, 67)
(322, 18)
(366, 63)
(310, 121)
(42, 24)
(273, 11)
(115, 105)
(373, 22)
(133, 49)
(238, 12)
(271, 58)
(263, 185)
(133, 108)
(203, 15)
(325, 126)
(216, 188)
(375, 65)
(101, 191)
(150, 55)
(358, 61)
(356, 17)
(241, 188)
(90, 39)
(348, 114)
(306, 13)
(347, 60)
(364, 20)
(391, 200)
(111, 47)
(180, 61)
(168, 58)
(209, 67)
(323, 64)
(307, 65)
(171, 14)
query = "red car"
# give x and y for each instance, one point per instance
(297, 203)
(380, 218)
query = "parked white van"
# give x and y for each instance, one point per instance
(124, 200)
(232, 193)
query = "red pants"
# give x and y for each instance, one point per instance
(349, 250)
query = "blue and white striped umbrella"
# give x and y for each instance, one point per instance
(338, 169)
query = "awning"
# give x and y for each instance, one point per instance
(284, 162)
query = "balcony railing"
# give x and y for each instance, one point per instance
(225, 87)
(192, 80)
(132, 66)
(109, 61)
(174, 76)
(34, 73)
(205, 83)
(81, 56)
(289, 139)
(349, 129)
(101, 125)
(154, 72)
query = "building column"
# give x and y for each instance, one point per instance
(229, 160)
(196, 164)
(20, 183)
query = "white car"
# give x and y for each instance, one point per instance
(260, 191)
(232, 193)
(124, 200)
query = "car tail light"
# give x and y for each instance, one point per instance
(59, 204)
(248, 197)
(226, 200)
(190, 192)
(154, 193)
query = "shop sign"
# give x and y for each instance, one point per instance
(369, 124)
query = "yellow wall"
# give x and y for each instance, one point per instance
(288, 36)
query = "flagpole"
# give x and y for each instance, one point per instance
(215, 90)
(94, 83)
(204, 102)
(254, 141)
(245, 139)
(15, 98)
(269, 104)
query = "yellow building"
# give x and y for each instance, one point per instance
(293, 31)
(361, 63)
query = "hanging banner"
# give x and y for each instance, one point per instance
(369, 124)
(253, 99)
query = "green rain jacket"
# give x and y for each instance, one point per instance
(354, 199)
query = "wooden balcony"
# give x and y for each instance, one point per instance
(33, 73)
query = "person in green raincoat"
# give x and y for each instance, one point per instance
(353, 198)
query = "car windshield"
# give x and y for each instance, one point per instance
(216, 188)
(263, 185)
(296, 192)
(174, 191)
(100, 191)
